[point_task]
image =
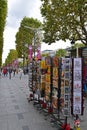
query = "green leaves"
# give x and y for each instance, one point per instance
(3, 14)
(65, 19)
(25, 35)
(12, 55)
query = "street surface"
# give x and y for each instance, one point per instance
(16, 113)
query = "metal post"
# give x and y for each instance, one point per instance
(77, 52)
(34, 42)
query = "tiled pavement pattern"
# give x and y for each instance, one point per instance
(15, 111)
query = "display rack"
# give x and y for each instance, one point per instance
(34, 75)
(55, 82)
(66, 85)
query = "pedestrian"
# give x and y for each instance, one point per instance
(5, 72)
(10, 71)
(0, 73)
(14, 70)
(21, 72)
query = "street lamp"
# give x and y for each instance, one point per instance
(77, 51)
(35, 30)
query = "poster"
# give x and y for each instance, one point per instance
(77, 86)
(77, 109)
(48, 78)
(55, 82)
(66, 85)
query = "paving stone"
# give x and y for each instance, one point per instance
(25, 128)
(16, 107)
(20, 116)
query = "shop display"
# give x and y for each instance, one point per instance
(66, 85)
(43, 70)
(84, 56)
(48, 78)
(34, 74)
(55, 82)
(77, 86)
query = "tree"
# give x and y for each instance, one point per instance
(12, 55)
(61, 53)
(25, 36)
(64, 19)
(79, 45)
(3, 14)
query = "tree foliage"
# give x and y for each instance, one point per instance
(25, 35)
(64, 19)
(12, 55)
(61, 53)
(79, 45)
(3, 14)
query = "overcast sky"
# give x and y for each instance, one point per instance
(17, 9)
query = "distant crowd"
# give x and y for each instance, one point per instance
(8, 71)
(5, 71)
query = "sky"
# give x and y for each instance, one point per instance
(17, 10)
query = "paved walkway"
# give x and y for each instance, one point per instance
(15, 111)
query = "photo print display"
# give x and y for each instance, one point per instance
(77, 64)
(77, 75)
(55, 61)
(67, 90)
(66, 82)
(66, 97)
(67, 67)
(54, 102)
(77, 98)
(67, 75)
(48, 60)
(77, 109)
(54, 92)
(55, 72)
(77, 86)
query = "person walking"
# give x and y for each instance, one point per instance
(0, 73)
(10, 71)
(21, 72)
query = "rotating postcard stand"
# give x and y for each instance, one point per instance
(77, 87)
(54, 86)
(34, 77)
(84, 56)
(43, 70)
(48, 79)
(65, 97)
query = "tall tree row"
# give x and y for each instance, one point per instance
(3, 14)
(64, 19)
(25, 36)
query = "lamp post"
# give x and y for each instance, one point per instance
(35, 30)
(77, 51)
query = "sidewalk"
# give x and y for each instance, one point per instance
(15, 111)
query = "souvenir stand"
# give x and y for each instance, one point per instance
(34, 76)
(66, 86)
(32, 81)
(43, 76)
(55, 82)
(30, 74)
(84, 56)
(48, 80)
(77, 88)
